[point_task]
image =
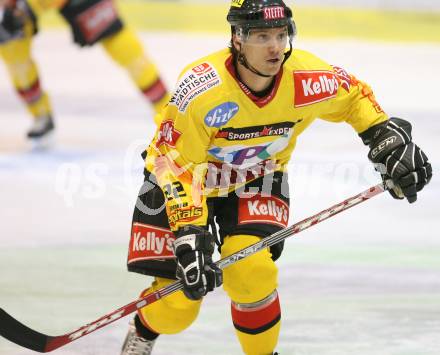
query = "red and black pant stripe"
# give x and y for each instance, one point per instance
(256, 318)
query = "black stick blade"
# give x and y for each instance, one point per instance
(18, 333)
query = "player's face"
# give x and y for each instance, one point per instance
(264, 49)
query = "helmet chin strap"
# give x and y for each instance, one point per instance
(241, 58)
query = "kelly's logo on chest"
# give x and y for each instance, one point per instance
(313, 86)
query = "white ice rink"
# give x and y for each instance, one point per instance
(366, 282)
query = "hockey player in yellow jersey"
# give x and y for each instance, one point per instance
(91, 21)
(215, 172)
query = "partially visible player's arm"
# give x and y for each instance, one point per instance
(177, 157)
(390, 140)
(397, 157)
(355, 103)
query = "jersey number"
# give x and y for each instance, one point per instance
(174, 190)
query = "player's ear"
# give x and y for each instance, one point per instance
(236, 42)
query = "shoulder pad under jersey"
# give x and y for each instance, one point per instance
(303, 60)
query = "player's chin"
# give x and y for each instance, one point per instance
(272, 68)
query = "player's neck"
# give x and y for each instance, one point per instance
(255, 82)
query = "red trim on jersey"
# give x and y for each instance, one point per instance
(254, 318)
(156, 91)
(259, 101)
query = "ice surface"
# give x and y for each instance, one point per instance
(364, 282)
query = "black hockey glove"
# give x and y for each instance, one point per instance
(12, 21)
(193, 248)
(395, 156)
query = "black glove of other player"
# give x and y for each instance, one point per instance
(12, 20)
(193, 248)
(397, 157)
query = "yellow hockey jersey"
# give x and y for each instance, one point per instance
(215, 134)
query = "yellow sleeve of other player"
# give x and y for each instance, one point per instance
(40, 6)
(177, 158)
(354, 103)
(177, 155)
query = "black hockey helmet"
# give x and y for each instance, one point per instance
(245, 15)
(248, 14)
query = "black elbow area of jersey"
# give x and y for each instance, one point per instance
(386, 137)
(377, 132)
(373, 131)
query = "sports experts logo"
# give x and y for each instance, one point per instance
(251, 132)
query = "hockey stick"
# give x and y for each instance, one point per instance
(18, 333)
